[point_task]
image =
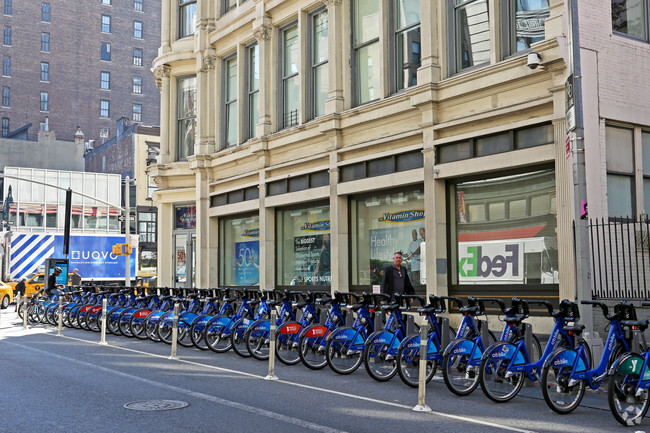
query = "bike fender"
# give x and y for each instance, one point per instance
(202, 320)
(221, 321)
(347, 333)
(460, 347)
(504, 350)
(316, 331)
(381, 337)
(95, 309)
(260, 326)
(411, 342)
(290, 328)
(188, 317)
(141, 314)
(630, 363)
(565, 357)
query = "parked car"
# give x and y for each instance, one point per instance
(6, 295)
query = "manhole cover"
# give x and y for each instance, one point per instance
(151, 405)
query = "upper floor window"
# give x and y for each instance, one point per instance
(229, 5)
(6, 99)
(406, 18)
(137, 84)
(104, 108)
(319, 81)
(290, 81)
(186, 17)
(137, 112)
(366, 50)
(45, 101)
(45, 71)
(253, 87)
(525, 24)
(105, 80)
(186, 120)
(7, 36)
(45, 42)
(137, 5)
(230, 102)
(8, 7)
(137, 29)
(137, 57)
(5, 126)
(631, 17)
(106, 52)
(6, 66)
(106, 2)
(45, 12)
(106, 23)
(471, 34)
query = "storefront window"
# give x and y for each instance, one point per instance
(239, 251)
(185, 217)
(504, 230)
(382, 225)
(304, 246)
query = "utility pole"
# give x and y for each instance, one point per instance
(127, 229)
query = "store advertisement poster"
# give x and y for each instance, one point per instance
(309, 251)
(247, 262)
(384, 242)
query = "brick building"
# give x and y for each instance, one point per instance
(86, 64)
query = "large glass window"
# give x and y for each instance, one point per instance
(631, 17)
(381, 225)
(525, 20)
(239, 251)
(503, 230)
(407, 42)
(366, 50)
(620, 172)
(471, 33)
(186, 109)
(230, 102)
(45, 71)
(147, 226)
(290, 81)
(319, 58)
(186, 16)
(253, 89)
(303, 256)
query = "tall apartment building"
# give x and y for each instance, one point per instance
(69, 64)
(304, 142)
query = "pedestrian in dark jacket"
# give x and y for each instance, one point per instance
(396, 279)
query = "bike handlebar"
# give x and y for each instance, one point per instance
(602, 306)
(547, 304)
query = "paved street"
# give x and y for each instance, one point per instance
(71, 383)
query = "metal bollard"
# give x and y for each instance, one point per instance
(18, 305)
(271, 375)
(25, 311)
(60, 333)
(103, 339)
(422, 405)
(174, 331)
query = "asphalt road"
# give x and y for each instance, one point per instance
(70, 383)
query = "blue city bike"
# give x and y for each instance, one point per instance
(628, 391)
(268, 299)
(506, 364)
(258, 341)
(211, 308)
(313, 340)
(191, 306)
(218, 328)
(345, 345)
(153, 319)
(439, 336)
(567, 371)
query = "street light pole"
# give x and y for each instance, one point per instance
(127, 229)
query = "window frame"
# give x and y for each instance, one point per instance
(227, 102)
(455, 63)
(646, 4)
(45, 72)
(45, 102)
(46, 16)
(104, 109)
(136, 112)
(8, 8)
(314, 65)
(6, 40)
(138, 60)
(6, 96)
(104, 80)
(45, 42)
(137, 88)
(180, 118)
(139, 8)
(509, 34)
(284, 79)
(251, 123)
(398, 66)
(186, 29)
(355, 49)
(6, 66)
(106, 26)
(630, 175)
(138, 29)
(105, 54)
(5, 127)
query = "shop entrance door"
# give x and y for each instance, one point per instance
(184, 259)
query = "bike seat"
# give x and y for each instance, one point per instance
(428, 310)
(299, 304)
(212, 298)
(574, 328)
(469, 310)
(390, 307)
(517, 318)
(254, 302)
(273, 303)
(355, 307)
(641, 324)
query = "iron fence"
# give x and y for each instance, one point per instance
(620, 258)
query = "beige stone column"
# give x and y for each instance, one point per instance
(267, 240)
(429, 70)
(263, 31)
(166, 27)
(165, 241)
(202, 278)
(162, 80)
(206, 81)
(335, 67)
(339, 232)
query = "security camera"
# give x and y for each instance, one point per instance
(534, 60)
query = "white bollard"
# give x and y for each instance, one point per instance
(103, 338)
(60, 333)
(25, 311)
(18, 305)
(174, 331)
(422, 405)
(271, 375)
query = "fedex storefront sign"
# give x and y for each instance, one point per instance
(490, 262)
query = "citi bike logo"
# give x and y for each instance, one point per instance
(458, 350)
(486, 266)
(560, 361)
(413, 344)
(502, 353)
(403, 216)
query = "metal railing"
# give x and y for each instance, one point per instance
(620, 257)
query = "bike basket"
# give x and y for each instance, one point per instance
(569, 310)
(626, 310)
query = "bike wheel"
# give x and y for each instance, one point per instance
(408, 366)
(151, 329)
(165, 330)
(217, 336)
(124, 323)
(340, 357)
(258, 344)
(496, 381)
(20, 310)
(34, 313)
(196, 335)
(380, 364)
(137, 326)
(93, 322)
(51, 314)
(628, 406)
(238, 339)
(112, 323)
(184, 337)
(312, 352)
(287, 345)
(560, 394)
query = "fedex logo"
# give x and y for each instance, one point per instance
(490, 265)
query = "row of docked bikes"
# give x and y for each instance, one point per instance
(344, 330)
